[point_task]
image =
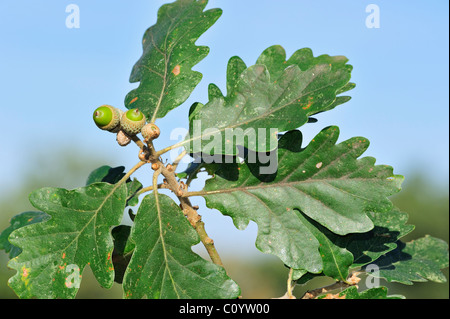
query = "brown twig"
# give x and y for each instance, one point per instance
(188, 210)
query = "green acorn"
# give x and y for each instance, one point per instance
(107, 118)
(132, 121)
(150, 132)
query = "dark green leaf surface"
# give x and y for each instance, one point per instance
(77, 234)
(273, 94)
(416, 261)
(336, 260)
(165, 68)
(274, 58)
(368, 247)
(163, 264)
(341, 253)
(19, 221)
(325, 181)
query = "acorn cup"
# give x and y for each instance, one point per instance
(150, 132)
(132, 122)
(107, 118)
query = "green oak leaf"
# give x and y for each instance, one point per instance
(325, 181)
(336, 260)
(342, 253)
(419, 260)
(77, 234)
(368, 247)
(169, 53)
(274, 94)
(16, 222)
(274, 58)
(163, 264)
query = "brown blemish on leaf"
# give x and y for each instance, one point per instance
(25, 272)
(310, 99)
(176, 70)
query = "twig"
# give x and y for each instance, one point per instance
(188, 210)
(149, 189)
(167, 149)
(132, 170)
(290, 287)
(178, 160)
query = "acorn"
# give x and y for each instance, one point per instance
(132, 121)
(107, 118)
(150, 132)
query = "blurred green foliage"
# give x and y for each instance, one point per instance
(261, 276)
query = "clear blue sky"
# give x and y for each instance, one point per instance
(400, 104)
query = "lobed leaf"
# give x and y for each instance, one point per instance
(419, 260)
(77, 234)
(73, 230)
(325, 181)
(273, 94)
(383, 238)
(163, 264)
(169, 53)
(342, 253)
(19, 221)
(336, 260)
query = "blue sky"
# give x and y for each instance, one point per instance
(48, 71)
